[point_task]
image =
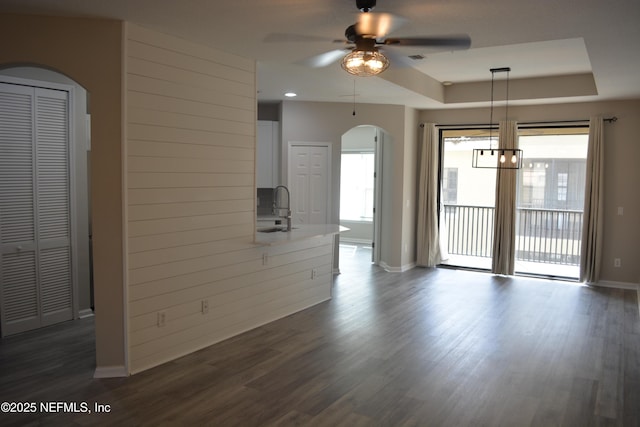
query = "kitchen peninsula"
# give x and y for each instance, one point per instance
(267, 236)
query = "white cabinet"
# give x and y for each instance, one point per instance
(268, 154)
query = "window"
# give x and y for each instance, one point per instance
(533, 184)
(450, 186)
(563, 180)
(356, 186)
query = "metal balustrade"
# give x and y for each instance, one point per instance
(550, 236)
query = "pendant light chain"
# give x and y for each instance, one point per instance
(478, 154)
(493, 74)
(354, 97)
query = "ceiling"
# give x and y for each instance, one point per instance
(558, 50)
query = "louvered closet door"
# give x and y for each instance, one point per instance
(20, 310)
(53, 224)
(35, 261)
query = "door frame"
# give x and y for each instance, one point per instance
(377, 191)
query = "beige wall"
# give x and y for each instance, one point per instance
(327, 122)
(622, 175)
(410, 187)
(89, 52)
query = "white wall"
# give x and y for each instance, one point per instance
(191, 118)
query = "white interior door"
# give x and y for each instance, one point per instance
(309, 173)
(35, 231)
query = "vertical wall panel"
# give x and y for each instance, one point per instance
(191, 205)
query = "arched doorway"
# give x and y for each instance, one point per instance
(55, 285)
(361, 188)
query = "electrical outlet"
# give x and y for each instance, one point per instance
(205, 306)
(162, 318)
(314, 273)
(617, 262)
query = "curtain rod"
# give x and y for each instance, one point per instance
(555, 122)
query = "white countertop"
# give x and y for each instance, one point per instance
(269, 218)
(299, 232)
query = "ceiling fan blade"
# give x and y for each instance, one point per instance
(294, 38)
(378, 24)
(397, 57)
(324, 59)
(457, 42)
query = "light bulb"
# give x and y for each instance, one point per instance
(502, 158)
(514, 159)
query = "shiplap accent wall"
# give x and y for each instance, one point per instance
(191, 120)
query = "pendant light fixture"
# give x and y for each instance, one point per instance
(495, 157)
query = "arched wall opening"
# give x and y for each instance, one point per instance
(89, 51)
(361, 187)
(80, 143)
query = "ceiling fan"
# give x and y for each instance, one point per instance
(369, 49)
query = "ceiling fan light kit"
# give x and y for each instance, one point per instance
(364, 37)
(365, 63)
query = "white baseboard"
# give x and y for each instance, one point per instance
(401, 269)
(110, 372)
(83, 314)
(618, 285)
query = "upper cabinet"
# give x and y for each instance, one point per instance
(268, 154)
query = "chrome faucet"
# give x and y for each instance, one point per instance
(279, 208)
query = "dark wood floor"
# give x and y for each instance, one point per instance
(421, 348)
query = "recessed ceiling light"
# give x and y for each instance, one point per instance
(447, 83)
(290, 94)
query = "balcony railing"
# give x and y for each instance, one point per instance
(549, 236)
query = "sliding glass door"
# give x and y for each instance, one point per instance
(551, 186)
(550, 199)
(468, 200)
